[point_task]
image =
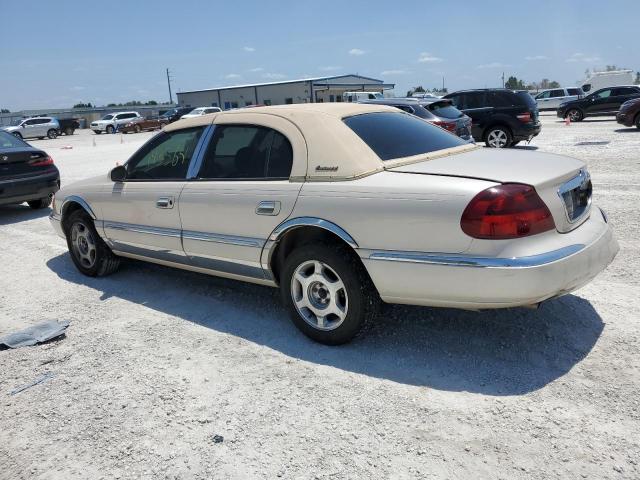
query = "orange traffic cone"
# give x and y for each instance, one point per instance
(567, 120)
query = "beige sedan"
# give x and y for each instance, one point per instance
(342, 206)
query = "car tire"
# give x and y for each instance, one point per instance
(328, 278)
(91, 256)
(40, 138)
(39, 203)
(110, 129)
(515, 142)
(498, 136)
(136, 128)
(52, 133)
(97, 132)
(574, 115)
(638, 121)
(68, 131)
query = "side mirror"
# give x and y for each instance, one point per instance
(118, 174)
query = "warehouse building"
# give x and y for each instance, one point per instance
(307, 90)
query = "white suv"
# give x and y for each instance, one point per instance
(112, 121)
(551, 99)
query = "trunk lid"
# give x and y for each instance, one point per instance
(551, 175)
(17, 163)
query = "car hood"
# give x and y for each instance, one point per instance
(10, 129)
(502, 166)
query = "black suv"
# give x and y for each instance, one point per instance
(606, 101)
(501, 118)
(174, 114)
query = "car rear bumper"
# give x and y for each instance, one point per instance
(463, 281)
(30, 188)
(625, 119)
(527, 131)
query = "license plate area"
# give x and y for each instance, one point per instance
(576, 196)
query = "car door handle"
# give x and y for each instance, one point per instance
(164, 202)
(268, 207)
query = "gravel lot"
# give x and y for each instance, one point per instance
(157, 362)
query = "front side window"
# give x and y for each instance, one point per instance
(107, 117)
(546, 94)
(165, 157)
(398, 135)
(247, 152)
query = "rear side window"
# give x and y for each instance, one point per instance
(625, 91)
(398, 135)
(557, 93)
(500, 99)
(574, 91)
(444, 109)
(247, 152)
(523, 98)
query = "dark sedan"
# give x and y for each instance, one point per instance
(140, 124)
(629, 114)
(440, 112)
(26, 173)
(606, 101)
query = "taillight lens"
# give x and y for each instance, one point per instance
(450, 126)
(41, 162)
(524, 117)
(511, 210)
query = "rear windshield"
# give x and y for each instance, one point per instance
(10, 141)
(527, 99)
(444, 109)
(397, 135)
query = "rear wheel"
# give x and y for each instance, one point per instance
(638, 121)
(52, 133)
(40, 203)
(329, 295)
(110, 129)
(88, 251)
(575, 115)
(97, 132)
(68, 131)
(498, 137)
(137, 128)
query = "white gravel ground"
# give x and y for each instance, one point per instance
(158, 361)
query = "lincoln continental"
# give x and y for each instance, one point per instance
(343, 206)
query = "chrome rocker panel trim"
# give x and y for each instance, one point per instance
(454, 260)
(221, 238)
(130, 227)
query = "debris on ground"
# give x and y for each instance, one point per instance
(42, 378)
(218, 439)
(39, 333)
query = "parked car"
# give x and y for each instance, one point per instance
(438, 112)
(551, 99)
(359, 96)
(606, 101)
(113, 121)
(27, 174)
(175, 114)
(196, 112)
(500, 117)
(36, 127)
(342, 205)
(629, 113)
(140, 124)
(68, 126)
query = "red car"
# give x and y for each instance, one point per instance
(139, 124)
(629, 113)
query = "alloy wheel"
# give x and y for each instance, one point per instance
(497, 138)
(319, 295)
(84, 245)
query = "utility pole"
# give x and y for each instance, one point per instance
(502, 79)
(443, 83)
(169, 84)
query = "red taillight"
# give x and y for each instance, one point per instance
(450, 126)
(506, 211)
(524, 117)
(41, 162)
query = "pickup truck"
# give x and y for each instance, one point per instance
(68, 126)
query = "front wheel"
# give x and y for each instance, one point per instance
(40, 203)
(52, 133)
(110, 129)
(575, 115)
(498, 137)
(88, 251)
(328, 293)
(638, 121)
(68, 131)
(136, 129)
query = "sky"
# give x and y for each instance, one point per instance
(56, 54)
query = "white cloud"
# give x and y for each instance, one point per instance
(232, 76)
(274, 76)
(257, 69)
(492, 65)
(330, 68)
(394, 72)
(249, 49)
(356, 51)
(426, 57)
(581, 57)
(536, 57)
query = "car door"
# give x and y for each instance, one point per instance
(475, 105)
(620, 95)
(140, 215)
(557, 96)
(241, 193)
(543, 100)
(599, 102)
(31, 128)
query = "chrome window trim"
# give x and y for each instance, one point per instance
(456, 260)
(580, 179)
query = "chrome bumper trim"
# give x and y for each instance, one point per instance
(454, 260)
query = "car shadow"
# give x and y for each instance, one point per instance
(10, 214)
(503, 352)
(627, 130)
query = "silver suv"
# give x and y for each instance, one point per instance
(36, 127)
(112, 121)
(551, 99)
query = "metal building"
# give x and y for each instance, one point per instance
(306, 90)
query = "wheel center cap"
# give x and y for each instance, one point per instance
(319, 295)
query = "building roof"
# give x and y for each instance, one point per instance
(299, 80)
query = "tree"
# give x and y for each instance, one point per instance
(514, 84)
(554, 84)
(417, 89)
(83, 105)
(5, 110)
